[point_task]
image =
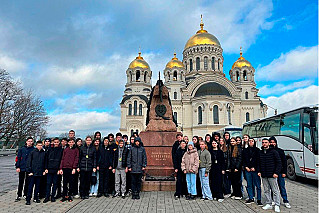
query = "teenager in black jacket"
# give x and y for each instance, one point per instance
(35, 168)
(181, 186)
(234, 168)
(270, 168)
(52, 165)
(283, 173)
(120, 169)
(216, 172)
(104, 164)
(21, 167)
(87, 165)
(251, 168)
(179, 138)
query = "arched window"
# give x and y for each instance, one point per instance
(215, 114)
(138, 75)
(175, 116)
(145, 76)
(175, 95)
(245, 75)
(136, 131)
(247, 117)
(140, 108)
(205, 63)
(197, 63)
(237, 76)
(131, 76)
(229, 115)
(130, 109)
(169, 76)
(218, 64)
(213, 63)
(186, 66)
(135, 107)
(175, 76)
(246, 95)
(190, 65)
(200, 115)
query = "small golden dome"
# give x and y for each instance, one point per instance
(139, 62)
(241, 61)
(174, 63)
(202, 37)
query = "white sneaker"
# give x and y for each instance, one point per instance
(277, 209)
(77, 196)
(227, 196)
(268, 206)
(91, 194)
(238, 198)
(287, 205)
(232, 197)
(220, 200)
(273, 203)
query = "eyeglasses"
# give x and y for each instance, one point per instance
(265, 142)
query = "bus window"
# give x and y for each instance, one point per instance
(273, 127)
(306, 118)
(290, 125)
(261, 129)
(307, 138)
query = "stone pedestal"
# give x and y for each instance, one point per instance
(160, 169)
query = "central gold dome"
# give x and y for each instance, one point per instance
(139, 62)
(202, 37)
(174, 63)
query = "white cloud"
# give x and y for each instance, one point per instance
(281, 88)
(293, 100)
(10, 64)
(294, 65)
(83, 123)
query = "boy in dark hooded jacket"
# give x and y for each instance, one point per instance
(104, 165)
(52, 165)
(282, 175)
(87, 164)
(21, 167)
(136, 163)
(35, 168)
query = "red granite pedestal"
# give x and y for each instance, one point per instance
(159, 170)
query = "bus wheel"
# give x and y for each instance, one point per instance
(291, 173)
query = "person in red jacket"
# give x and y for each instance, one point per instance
(69, 163)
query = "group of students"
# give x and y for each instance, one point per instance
(213, 168)
(112, 166)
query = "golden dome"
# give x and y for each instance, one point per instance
(202, 37)
(139, 62)
(241, 61)
(174, 63)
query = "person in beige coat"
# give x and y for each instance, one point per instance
(190, 164)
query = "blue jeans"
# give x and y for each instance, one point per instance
(282, 188)
(253, 181)
(34, 181)
(205, 184)
(95, 187)
(191, 183)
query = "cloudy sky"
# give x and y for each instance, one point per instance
(74, 54)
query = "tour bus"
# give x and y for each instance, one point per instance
(297, 134)
(234, 131)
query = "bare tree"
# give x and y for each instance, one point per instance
(22, 113)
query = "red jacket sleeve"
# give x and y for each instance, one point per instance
(76, 159)
(63, 156)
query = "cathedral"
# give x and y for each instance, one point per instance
(203, 99)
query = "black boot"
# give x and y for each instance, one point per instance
(46, 200)
(188, 197)
(137, 196)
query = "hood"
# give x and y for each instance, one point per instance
(191, 151)
(273, 138)
(137, 139)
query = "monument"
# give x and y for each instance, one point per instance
(158, 139)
